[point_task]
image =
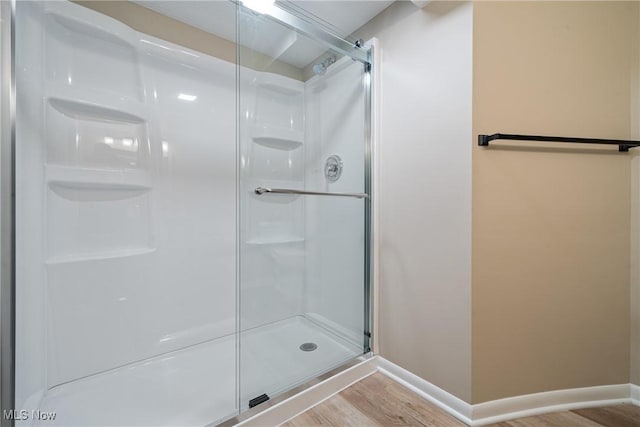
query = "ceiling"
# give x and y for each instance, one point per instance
(265, 36)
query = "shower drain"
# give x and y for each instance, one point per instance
(308, 346)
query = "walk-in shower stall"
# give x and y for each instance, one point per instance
(185, 209)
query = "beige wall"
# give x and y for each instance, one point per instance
(425, 190)
(635, 201)
(155, 24)
(550, 226)
(635, 268)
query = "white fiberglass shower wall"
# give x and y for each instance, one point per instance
(126, 213)
(154, 286)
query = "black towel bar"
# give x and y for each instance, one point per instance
(623, 146)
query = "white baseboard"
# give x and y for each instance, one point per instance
(474, 415)
(513, 407)
(434, 394)
(551, 401)
(635, 394)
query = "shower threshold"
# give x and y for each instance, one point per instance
(197, 386)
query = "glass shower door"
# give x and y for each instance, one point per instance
(302, 206)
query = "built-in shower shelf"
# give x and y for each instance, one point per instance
(279, 138)
(97, 105)
(88, 24)
(97, 256)
(275, 241)
(97, 179)
(280, 84)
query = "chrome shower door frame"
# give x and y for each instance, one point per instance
(7, 210)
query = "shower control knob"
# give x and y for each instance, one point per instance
(333, 168)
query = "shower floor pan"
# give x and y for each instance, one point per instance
(197, 385)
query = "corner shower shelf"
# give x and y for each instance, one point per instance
(97, 179)
(87, 23)
(275, 241)
(278, 138)
(280, 84)
(91, 104)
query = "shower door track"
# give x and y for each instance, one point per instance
(283, 14)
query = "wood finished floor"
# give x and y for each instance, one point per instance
(380, 401)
